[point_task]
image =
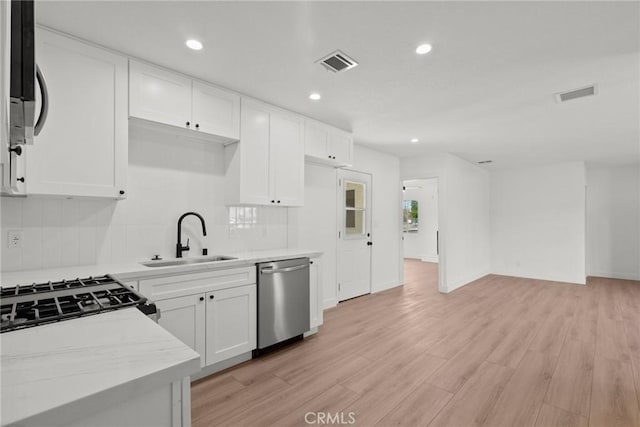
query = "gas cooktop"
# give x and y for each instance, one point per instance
(37, 304)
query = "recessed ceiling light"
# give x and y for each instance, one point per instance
(194, 44)
(314, 96)
(423, 48)
(414, 140)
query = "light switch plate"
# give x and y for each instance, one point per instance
(14, 239)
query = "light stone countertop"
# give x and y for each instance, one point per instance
(78, 363)
(136, 271)
(64, 368)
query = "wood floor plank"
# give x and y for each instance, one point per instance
(333, 402)
(523, 395)
(570, 386)
(457, 370)
(613, 401)
(471, 405)
(419, 408)
(372, 357)
(550, 416)
(511, 350)
(380, 397)
(551, 334)
(612, 340)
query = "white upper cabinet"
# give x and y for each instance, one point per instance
(82, 148)
(267, 166)
(286, 160)
(215, 111)
(161, 96)
(253, 155)
(327, 145)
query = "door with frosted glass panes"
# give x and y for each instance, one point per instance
(354, 234)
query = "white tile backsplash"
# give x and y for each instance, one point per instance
(167, 176)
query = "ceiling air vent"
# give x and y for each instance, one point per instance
(577, 93)
(337, 61)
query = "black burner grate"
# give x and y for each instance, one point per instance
(32, 305)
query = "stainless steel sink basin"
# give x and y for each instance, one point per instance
(186, 261)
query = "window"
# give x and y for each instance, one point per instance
(355, 207)
(242, 217)
(410, 216)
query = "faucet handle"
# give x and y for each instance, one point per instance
(186, 248)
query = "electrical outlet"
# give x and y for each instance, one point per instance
(14, 239)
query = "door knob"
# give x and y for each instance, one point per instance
(369, 243)
(210, 296)
(16, 149)
(201, 298)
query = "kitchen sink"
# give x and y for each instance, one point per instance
(186, 261)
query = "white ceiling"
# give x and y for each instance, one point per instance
(486, 91)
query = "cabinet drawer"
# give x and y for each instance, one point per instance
(187, 284)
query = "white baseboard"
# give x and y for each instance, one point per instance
(384, 286)
(524, 275)
(460, 283)
(329, 303)
(610, 275)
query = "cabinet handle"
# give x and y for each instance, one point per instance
(201, 298)
(334, 157)
(121, 192)
(20, 179)
(210, 296)
(188, 124)
(197, 125)
(329, 156)
(16, 149)
(278, 201)
(273, 201)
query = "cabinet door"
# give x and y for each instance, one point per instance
(159, 95)
(286, 161)
(341, 147)
(215, 111)
(184, 317)
(82, 148)
(316, 140)
(231, 322)
(254, 154)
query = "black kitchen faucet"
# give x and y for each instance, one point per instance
(179, 247)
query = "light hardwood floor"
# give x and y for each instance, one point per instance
(502, 351)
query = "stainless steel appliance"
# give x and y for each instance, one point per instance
(37, 304)
(283, 301)
(23, 75)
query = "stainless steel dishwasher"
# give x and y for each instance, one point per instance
(283, 301)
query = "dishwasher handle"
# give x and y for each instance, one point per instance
(271, 270)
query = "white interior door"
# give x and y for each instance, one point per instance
(354, 234)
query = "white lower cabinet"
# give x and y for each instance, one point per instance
(230, 323)
(212, 312)
(185, 318)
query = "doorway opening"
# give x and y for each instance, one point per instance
(420, 231)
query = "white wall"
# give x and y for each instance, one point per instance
(386, 226)
(167, 176)
(315, 225)
(538, 222)
(423, 244)
(463, 215)
(613, 222)
(466, 223)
